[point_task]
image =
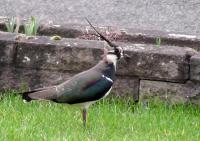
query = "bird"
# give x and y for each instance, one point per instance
(84, 88)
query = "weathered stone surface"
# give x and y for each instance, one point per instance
(67, 31)
(7, 37)
(195, 67)
(11, 77)
(168, 63)
(126, 87)
(130, 35)
(172, 92)
(167, 37)
(7, 52)
(67, 54)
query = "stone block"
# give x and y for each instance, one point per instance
(172, 92)
(126, 87)
(195, 67)
(11, 77)
(167, 63)
(67, 54)
(7, 52)
(67, 31)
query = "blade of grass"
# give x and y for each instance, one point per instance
(158, 41)
(31, 27)
(10, 24)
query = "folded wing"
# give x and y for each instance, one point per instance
(84, 87)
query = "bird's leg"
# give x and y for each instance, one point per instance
(84, 116)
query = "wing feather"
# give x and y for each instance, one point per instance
(87, 87)
(47, 93)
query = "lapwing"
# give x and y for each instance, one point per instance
(86, 87)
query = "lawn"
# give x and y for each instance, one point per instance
(109, 119)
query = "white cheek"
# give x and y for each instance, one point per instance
(113, 59)
(121, 55)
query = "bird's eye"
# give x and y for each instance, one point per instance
(116, 51)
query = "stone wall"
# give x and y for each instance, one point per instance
(166, 71)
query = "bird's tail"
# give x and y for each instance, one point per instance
(47, 93)
(26, 97)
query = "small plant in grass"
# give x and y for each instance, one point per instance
(56, 37)
(30, 28)
(158, 41)
(10, 24)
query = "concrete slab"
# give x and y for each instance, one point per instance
(165, 15)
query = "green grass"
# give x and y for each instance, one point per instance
(10, 24)
(31, 28)
(158, 41)
(109, 119)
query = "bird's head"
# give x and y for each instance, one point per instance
(117, 51)
(114, 55)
